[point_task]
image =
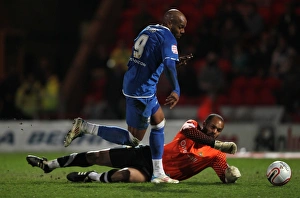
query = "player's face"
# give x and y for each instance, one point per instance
(214, 127)
(178, 26)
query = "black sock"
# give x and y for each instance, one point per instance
(75, 159)
(106, 176)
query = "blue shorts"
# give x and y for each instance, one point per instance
(139, 111)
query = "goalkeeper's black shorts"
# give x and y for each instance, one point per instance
(137, 157)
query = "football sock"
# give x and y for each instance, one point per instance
(157, 167)
(75, 159)
(112, 134)
(156, 141)
(104, 177)
(52, 164)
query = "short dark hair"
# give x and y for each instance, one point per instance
(211, 116)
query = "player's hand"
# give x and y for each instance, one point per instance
(232, 173)
(172, 100)
(183, 60)
(226, 147)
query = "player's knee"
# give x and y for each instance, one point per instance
(126, 174)
(122, 175)
(159, 125)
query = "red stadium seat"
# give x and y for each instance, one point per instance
(209, 10)
(251, 97)
(297, 11)
(278, 8)
(193, 16)
(239, 82)
(266, 97)
(225, 65)
(198, 65)
(265, 13)
(272, 83)
(222, 100)
(235, 97)
(214, 2)
(255, 83)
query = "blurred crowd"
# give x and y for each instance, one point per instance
(33, 94)
(246, 52)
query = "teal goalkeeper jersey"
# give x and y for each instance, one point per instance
(151, 48)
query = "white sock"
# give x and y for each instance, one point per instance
(53, 164)
(95, 176)
(90, 128)
(158, 167)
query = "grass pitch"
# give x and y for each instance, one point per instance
(19, 179)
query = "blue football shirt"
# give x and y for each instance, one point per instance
(152, 46)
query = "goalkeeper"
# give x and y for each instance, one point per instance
(193, 149)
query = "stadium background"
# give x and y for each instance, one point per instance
(63, 59)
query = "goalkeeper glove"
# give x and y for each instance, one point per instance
(226, 147)
(232, 173)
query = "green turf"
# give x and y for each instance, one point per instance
(18, 179)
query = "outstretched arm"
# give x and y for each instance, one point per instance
(198, 136)
(191, 131)
(232, 173)
(226, 173)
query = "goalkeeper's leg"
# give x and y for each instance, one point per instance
(90, 176)
(84, 159)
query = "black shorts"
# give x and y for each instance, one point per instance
(138, 158)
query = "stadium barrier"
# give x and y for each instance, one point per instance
(41, 136)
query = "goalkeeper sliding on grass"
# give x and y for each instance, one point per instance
(193, 149)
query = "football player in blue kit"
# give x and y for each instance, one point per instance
(154, 51)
